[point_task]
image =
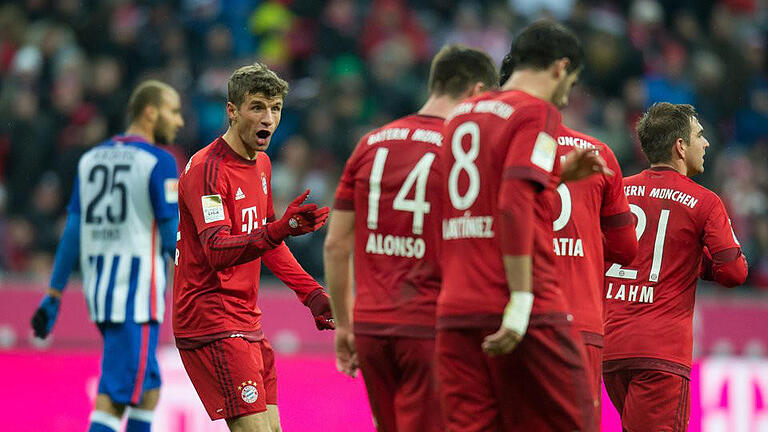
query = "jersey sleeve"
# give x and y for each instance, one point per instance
(345, 192)
(718, 234)
(532, 150)
(163, 187)
(271, 217)
(204, 198)
(74, 200)
(614, 201)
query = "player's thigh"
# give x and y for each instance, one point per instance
(257, 422)
(658, 401)
(417, 404)
(274, 418)
(269, 374)
(542, 384)
(228, 377)
(129, 365)
(466, 395)
(379, 368)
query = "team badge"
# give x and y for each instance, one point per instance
(264, 183)
(248, 391)
(293, 223)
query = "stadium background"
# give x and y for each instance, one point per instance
(67, 67)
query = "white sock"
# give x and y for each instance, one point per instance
(105, 419)
(146, 416)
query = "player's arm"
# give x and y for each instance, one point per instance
(722, 262)
(283, 264)
(163, 194)
(67, 254)
(527, 170)
(616, 220)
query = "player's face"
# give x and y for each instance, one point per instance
(563, 89)
(169, 119)
(694, 152)
(256, 119)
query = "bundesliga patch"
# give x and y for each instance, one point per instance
(544, 152)
(171, 190)
(213, 209)
(248, 392)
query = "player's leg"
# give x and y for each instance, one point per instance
(464, 383)
(228, 377)
(269, 377)
(594, 370)
(416, 401)
(377, 363)
(657, 401)
(141, 415)
(258, 422)
(542, 384)
(106, 415)
(617, 385)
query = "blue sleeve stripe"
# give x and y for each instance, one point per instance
(99, 271)
(66, 253)
(133, 285)
(111, 288)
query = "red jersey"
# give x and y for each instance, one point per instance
(220, 189)
(649, 304)
(578, 243)
(488, 138)
(391, 184)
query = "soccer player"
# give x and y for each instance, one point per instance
(682, 227)
(227, 228)
(122, 221)
(498, 271)
(593, 213)
(387, 209)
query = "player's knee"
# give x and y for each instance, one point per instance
(149, 400)
(104, 403)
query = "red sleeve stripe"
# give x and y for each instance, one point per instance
(344, 204)
(726, 255)
(212, 167)
(526, 173)
(617, 220)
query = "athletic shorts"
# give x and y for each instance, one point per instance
(232, 376)
(650, 400)
(594, 370)
(129, 364)
(401, 382)
(540, 386)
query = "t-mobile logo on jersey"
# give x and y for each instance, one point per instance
(250, 219)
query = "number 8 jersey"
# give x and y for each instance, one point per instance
(123, 187)
(649, 304)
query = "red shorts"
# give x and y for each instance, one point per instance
(232, 376)
(540, 386)
(400, 378)
(650, 400)
(594, 369)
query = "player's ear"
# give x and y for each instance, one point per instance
(680, 146)
(560, 67)
(231, 111)
(151, 112)
(478, 88)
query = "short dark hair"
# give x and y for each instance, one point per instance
(539, 44)
(661, 126)
(456, 67)
(147, 93)
(252, 79)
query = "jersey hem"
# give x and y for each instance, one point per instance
(194, 342)
(649, 363)
(492, 320)
(394, 329)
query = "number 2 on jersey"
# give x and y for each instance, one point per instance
(658, 246)
(418, 176)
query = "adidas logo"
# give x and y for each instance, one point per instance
(239, 195)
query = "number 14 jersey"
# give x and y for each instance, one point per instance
(649, 304)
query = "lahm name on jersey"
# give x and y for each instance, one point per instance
(401, 134)
(632, 293)
(662, 193)
(568, 247)
(387, 244)
(468, 226)
(105, 234)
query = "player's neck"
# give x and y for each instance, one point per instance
(678, 166)
(139, 130)
(535, 83)
(237, 145)
(438, 106)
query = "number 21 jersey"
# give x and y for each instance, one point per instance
(649, 304)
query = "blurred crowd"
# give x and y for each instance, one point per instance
(67, 68)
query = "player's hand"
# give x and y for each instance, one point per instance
(298, 219)
(45, 316)
(582, 163)
(501, 342)
(346, 356)
(320, 306)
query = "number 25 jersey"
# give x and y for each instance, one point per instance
(649, 304)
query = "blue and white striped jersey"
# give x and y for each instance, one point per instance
(123, 188)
